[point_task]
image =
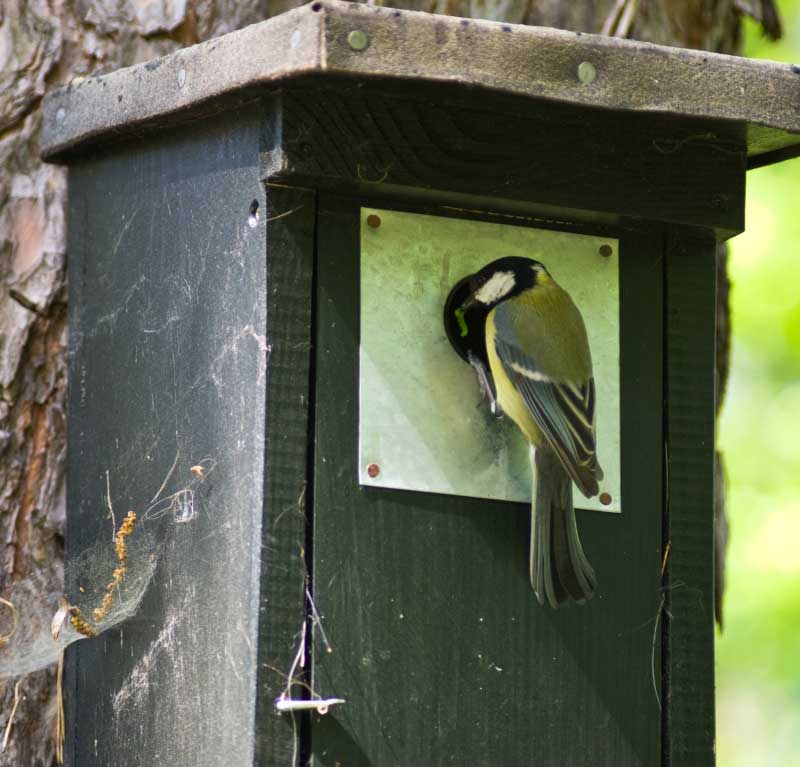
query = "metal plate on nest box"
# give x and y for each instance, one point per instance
(423, 424)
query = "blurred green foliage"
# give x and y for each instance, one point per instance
(758, 655)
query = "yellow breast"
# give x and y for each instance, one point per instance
(507, 395)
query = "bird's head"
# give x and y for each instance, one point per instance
(503, 279)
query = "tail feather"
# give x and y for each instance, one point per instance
(559, 569)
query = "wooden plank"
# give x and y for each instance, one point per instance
(404, 46)
(169, 363)
(690, 277)
(437, 643)
(290, 221)
(425, 141)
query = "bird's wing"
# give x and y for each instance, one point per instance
(563, 409)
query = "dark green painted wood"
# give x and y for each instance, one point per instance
(290, 222)
(426, 140)
(438, 644)
(690, 277)
(191, 335)
(169, 356)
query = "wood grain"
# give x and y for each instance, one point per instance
(532, 63)
(169, 363)
(438, 644)
(690, 275)
(426, 141)
(289, 219)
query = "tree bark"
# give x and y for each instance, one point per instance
(47, 43)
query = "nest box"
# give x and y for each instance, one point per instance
(263, 231)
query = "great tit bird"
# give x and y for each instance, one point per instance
(538, 356)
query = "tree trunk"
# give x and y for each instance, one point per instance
(48, 43)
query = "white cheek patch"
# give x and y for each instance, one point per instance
(498, 286)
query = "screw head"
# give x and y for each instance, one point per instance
(373, 470)
(373, 221)
(358, 40)
(586, 72)
(605, 251)
(605, 499)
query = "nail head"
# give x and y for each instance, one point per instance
(373, 470)
(606, 251)
(605, 498)
(358, 40)
(373, 221)
(586, 72)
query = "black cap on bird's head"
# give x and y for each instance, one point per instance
(472, 297)
(502, 279)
